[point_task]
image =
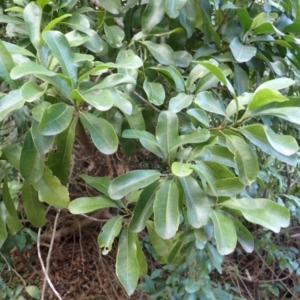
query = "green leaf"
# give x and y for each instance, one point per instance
(167, 134)
(99, 183)
(257, 134)
(60, 159)
(166, 212)
(32, 92)
(38, 110)
(51, 191)
(276, 84)
(244, 236)
(131, 181)
(244, 158)
(3, 231)
(242, 53)
(179, 102)
(32, 16)
(261, 211)
(34, 209)
(198, 206)
(241, 80)
(199, 115)
(10, 102)
(56, 119)
(109, 232)
(31, 161)
(222, 155)
(12, 218)
(163, 53)
(85, 205)
(173, 7)
(15, 49)
(207, 102)
(123, 102)
(61, 50)
(32, 290)
(181, 169)
(102, 132)
(144, 207)
(155, 92)
(30, 68)
(12, 154)
(224, 232)
(42, 143)
(102, 100)
(113, 6)
(55, 21)
(265, 96)
(162, 247)
(127, 265)
(141, 257)
(152, 15)
(114, 35)
(6, 65)
(173, 76)
(182, 59)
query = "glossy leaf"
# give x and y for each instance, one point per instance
(261, 211)
(99, 183)
(32, 92)
(30, 68)
(153, 14)
(102, 133)
(199, 115)
(242, 53)
(108, 233)
(101, 99)
(181, 169)
(61, 50)
(244, 158)
(12, 218)
(244, 236)
(60, 159)
(224, 232)
(10, 102)
(241, 80)
(198, 206)
(276, 84)
(6, 65)
(167, 134)
(180, 102)
(166, 212)
(85, 205)
(34, 209)
(113, 6)
(12, 154)
(127, 265)
(56, 119)
(51, 191)
(31, 161)
(3, 231)
(163, 53)
(155, 92)
(114, 35)
(265, 96)
(41, 142)
(131, 181)
(173, 7)
(144, 207)
(143, 264)
(32, 16)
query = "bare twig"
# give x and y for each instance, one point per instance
(147, 102)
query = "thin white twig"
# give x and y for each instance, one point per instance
(46, 269)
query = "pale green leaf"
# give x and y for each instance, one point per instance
(32, 290)
(127, 265)
(155, 92)
(163, 53)
(102, 100)
(99, 183)
(276, 84)
(41, 142)
(85, 205)
(224, 232)
(152, 15)
(173, 7)
(56, 119)
(242, 53)
(131, 181)
(32, 92)
(10, 102)
(114, 35)
(51, 191)
(181, 169)
(102, 132)
(244, 236)
(30, 68)
(142, 259)
(180, 102)
(113, 6)
(261, 211)
(166, 212)
(108, 233)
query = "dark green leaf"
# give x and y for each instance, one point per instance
(244, 236)
(41, 142)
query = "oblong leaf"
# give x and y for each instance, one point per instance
(166, 212)
(261, 211)
(56, 119)
(41, 142)
(163, 53)
(10, 102)
(102, 132)
(102, 100)
(241, 53)
(109, 232)
(224, 232)
(30, 68)
(180, 102)
(113, 6)
(131, 181)
(34, 209)
(155, 92)
(244, 236)
(127, 265)
(153, 14)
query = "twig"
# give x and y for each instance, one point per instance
(43, 266)
(147, 102)
(12, 269)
